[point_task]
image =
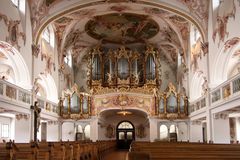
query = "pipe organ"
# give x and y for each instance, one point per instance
(124, 67)
(75, 105)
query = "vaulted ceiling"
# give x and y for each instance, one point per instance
(80, 25)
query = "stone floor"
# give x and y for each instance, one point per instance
(116, 155)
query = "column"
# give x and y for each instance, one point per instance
(209, 125)
(94, 129)
(221, 128)
(238, 128)
(60, 123)
(153, 129)
(31, 123)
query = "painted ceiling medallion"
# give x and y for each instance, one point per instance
(122, 28)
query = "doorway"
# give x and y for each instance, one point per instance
(125, 134)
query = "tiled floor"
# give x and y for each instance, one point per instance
(116, 155)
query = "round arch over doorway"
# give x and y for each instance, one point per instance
(125, 134)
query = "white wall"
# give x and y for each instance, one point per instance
(22, 130)
(94, 136)
(238, 128)
(182, 131)
(221, 130)
(52, 132)
(68, 131)
(153, 129)
(196, 132)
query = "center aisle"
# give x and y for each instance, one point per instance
(116, 155)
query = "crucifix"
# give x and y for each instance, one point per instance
(37, 111)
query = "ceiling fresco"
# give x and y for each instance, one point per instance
(41, 10)
(122, 28)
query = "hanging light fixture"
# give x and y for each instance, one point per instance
(124, 112)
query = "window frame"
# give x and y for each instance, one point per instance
(5, 133)
(46, 35)
(16, 3)
(68, 59)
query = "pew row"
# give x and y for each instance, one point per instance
(75, 150)
(181, 150)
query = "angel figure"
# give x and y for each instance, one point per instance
(136, 77)
(109, 80)
(205, 86)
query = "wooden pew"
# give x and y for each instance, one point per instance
(6, 150)
(170, 151)
(44, 151)
(24, 151)
(76, 150)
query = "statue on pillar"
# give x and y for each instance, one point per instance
(37, 111)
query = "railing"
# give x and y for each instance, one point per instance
(17, 94)
(223, 92)
(198, 104)
(226, 90)
(47, 105)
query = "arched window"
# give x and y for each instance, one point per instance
(46, 35)
(68, 59)
(163, 132)
(215, 4)
(79, 129)
(125, 125)
(87, 131)
(172, 129)
(16, 3)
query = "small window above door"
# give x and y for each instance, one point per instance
(125, 125)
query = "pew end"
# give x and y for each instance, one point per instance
(138, 156)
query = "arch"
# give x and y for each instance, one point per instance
(163, 132)
(18, 65)
(224, 63)
(46, 81)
